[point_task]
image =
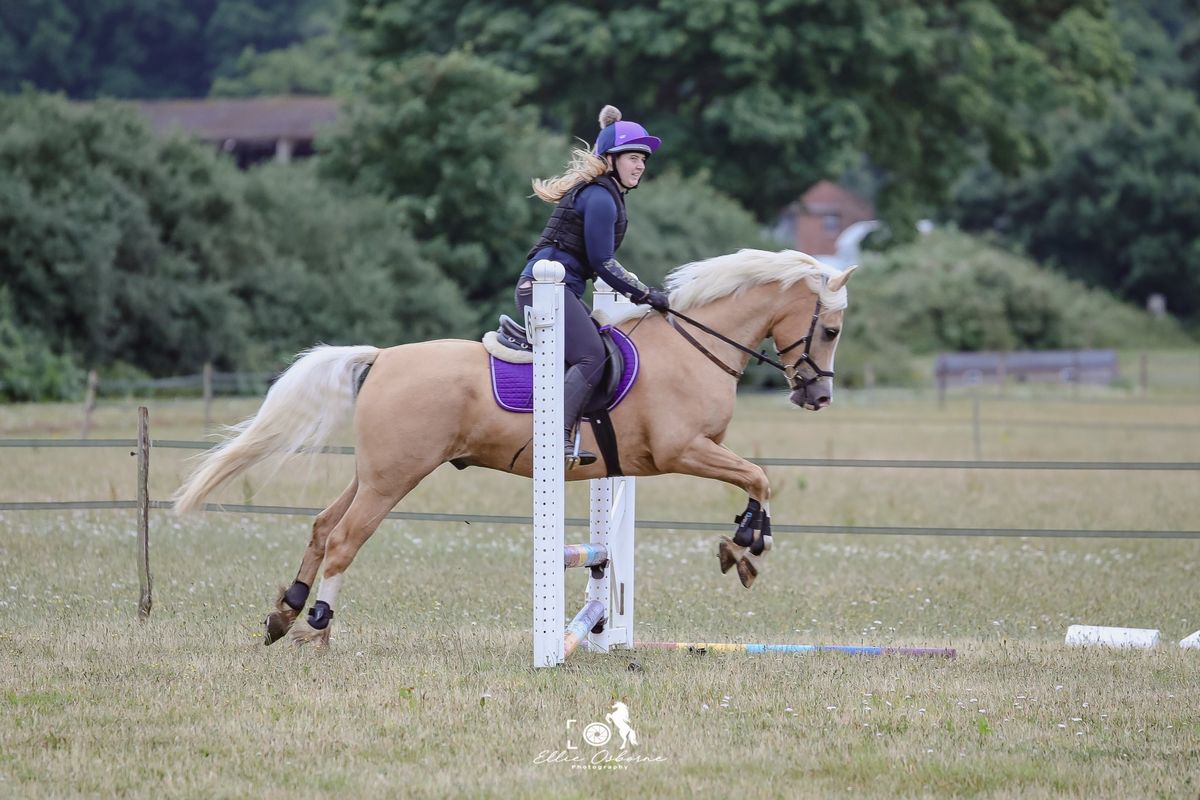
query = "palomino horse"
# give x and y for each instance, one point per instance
(421, 405)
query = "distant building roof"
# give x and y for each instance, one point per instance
(253, 119)
(826, 197)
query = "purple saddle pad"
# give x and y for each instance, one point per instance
(512, 384)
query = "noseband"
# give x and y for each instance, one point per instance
(790, 371)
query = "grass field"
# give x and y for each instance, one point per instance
(427, 689)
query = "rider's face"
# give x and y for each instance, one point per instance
(629, 168)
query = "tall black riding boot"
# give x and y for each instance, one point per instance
(576, 392)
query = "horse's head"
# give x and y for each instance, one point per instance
(807, 338)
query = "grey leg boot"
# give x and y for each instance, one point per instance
(576, 393)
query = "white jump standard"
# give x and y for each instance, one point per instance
(609, 554)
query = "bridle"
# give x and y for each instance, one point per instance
(789, 371)
(796, 382)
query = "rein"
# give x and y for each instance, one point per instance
(789, 370)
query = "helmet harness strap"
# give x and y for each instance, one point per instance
(612, 169)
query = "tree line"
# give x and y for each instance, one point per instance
(1062, 129)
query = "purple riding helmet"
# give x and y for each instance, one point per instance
(622, 136)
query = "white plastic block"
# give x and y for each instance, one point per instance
(1191, 642)
(1102, 636)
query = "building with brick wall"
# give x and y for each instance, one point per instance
(817, 222)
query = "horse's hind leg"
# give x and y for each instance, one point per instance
(290, 601)
(366, 511)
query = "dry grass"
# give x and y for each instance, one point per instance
(427, 689)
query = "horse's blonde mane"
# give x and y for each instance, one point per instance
(702, 282)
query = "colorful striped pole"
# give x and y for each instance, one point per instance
(584, 555)
(848, 649)
(591, 613)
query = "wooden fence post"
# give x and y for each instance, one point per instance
(143, 513)
(976, 434)
(1144, 374)
(207, 378)
(89, 403)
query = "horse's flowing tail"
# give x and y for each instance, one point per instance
(301, 411)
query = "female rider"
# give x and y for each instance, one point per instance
(584, 232)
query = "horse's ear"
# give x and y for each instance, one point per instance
(840, 280)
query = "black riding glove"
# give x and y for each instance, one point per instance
(657, 299)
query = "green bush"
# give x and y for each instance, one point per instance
(950, 291)
(953, 292)
(29, 369)
(675, 219)
(448, 140)
(346, 270)
(121, 245)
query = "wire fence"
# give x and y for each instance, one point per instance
(672, 525)
(643, 524)
(872, 463)
(207, 382)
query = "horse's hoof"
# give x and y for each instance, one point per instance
(277, 626)
(306, 634)
(727, 554)
(747, 572)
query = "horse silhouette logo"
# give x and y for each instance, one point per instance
(620, 720)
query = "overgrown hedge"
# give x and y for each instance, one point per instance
(952, 292)
(122, 247)
(29, 368)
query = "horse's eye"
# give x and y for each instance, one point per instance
(832, 333)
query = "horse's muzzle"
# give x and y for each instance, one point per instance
(813, 396)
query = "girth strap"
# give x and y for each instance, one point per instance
(606, 442)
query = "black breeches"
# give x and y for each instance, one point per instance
(583, 346)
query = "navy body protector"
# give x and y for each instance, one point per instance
(564, 230)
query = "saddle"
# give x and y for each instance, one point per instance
(509, 345)
(511, 365)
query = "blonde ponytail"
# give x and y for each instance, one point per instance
(584, 167)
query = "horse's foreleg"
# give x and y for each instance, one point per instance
(366, 511)
(707, 459)
(291, 601)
